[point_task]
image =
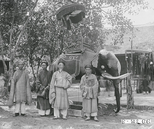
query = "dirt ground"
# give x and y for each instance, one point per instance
(112, 121)
(107, 118)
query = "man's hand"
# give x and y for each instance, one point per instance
(73, 76)
(47, 87)
(41, 88)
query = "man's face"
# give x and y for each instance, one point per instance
(21, 66)
(44, 66)
(88, 71)
(61, 66)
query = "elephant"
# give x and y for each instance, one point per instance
(75, 62)
(104, 63)
(109, 64)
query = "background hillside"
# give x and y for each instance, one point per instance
(142, 38)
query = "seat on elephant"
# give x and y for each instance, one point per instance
(75, 61)
(72, 63)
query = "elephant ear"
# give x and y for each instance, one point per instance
(113, 62)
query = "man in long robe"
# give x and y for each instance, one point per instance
(43, 82)
(145, 83)
(20, 90)
(58, 95)
(89, 88)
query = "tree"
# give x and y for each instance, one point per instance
(41, 35)
(34, 33)
(57, 39)
(13, 19)
(99, 12)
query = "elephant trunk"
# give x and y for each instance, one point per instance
(117, 95)
(108, 76)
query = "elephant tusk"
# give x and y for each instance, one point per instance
(117, 77)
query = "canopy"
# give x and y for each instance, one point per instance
(71, 12)
(68, 9)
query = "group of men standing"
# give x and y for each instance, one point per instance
(52, 91)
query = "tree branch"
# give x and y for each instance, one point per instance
(2, 53)
(24, 26)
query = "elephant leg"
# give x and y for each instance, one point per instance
(117, 95)
(120, 89)
(99, 89)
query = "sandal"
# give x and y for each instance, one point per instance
(23, 115)
(96, 119)
(87, 119)
(64, 118)
(55, 118)
(16, 114)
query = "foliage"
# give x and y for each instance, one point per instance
(99, 12)
(13, 20)
(13, 16)
(40, 38)
(32, 33)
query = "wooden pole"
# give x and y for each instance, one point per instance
(130, 97)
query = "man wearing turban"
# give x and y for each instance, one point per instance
(43, 84)
(89, 88)
(58, 95)
(20, 90)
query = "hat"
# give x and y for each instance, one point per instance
(88, 66)
(61, 62)
(45, 62)
(20, 62)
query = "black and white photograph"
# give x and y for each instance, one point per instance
(76, 64)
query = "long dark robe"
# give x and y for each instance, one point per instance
(43, 81)
(145, 84)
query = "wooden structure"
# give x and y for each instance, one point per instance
(140, 64)
(75, 109)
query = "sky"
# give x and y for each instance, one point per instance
(145, 16)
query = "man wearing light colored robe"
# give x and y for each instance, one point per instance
(89, 88)
(58, 95)
(20, 90)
